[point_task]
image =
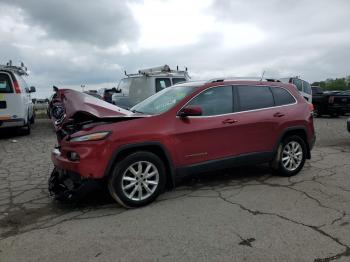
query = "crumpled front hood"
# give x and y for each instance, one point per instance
(75, 101)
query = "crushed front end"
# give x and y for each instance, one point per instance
(69, 186)
(84, 126)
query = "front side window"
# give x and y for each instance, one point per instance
(163, 100)
(298, 83)
(162, 83)
(282, 96)
(254, 97)
(215, 101)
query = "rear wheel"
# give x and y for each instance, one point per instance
(137, 180)
(291, 156)
(27, 128)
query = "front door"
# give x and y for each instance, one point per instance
(210, 136)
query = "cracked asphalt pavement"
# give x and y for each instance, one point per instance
(244, 214)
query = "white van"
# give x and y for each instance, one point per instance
(16, 107)
(303, 87)
(137, 87)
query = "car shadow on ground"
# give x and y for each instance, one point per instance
(12, 132)
(99, 203)
(101, 197)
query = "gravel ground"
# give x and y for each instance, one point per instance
(243, 214)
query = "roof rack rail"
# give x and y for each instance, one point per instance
(242, 78)
(21, 70)
(157, 70)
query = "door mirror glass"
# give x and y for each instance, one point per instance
(190, 111)
(32, 89)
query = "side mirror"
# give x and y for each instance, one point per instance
(190, 111)
(32, 89)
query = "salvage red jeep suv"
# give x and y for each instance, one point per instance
(188, 128)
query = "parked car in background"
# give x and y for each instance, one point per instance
(188, 128)
(107, 93)
(303, 87)
(94, 93)
(16, 107)
(137, 87)
(330, 102)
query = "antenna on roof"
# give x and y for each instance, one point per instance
(262, 76)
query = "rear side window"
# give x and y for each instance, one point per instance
(307, 87)
(5, 84)
(215, 101)
(282, 96)
(254, 97)
(298, 83)
(162, 83)
(178, 80)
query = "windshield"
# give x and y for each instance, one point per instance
(163, 100)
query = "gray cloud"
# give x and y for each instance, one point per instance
(80, 42)
(101, 23)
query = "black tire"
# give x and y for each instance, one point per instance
(335, 114)
(317, 112)
(279, 167)
(27, 128)
(115, 182)
(32, 119)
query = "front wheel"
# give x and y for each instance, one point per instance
(291, 156)
(137, 180)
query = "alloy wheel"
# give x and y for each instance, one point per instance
(292, 156)
(140, 180)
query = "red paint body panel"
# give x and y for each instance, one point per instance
(189, 140)
(75, 101)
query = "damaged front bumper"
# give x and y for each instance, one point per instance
(69, 186)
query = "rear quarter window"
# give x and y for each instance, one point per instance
(5, 83)
(282, 96)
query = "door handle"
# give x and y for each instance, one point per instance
(229, 121)
(278, 114)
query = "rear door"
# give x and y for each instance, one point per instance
(257, 120)
(8, 99)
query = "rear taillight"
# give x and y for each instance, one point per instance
(331, 99)
(16, 86)
(311, 107)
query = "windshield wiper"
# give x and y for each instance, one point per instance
(135, 111)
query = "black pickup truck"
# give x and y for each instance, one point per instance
(333, 103)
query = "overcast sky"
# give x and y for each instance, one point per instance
(68, 43)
